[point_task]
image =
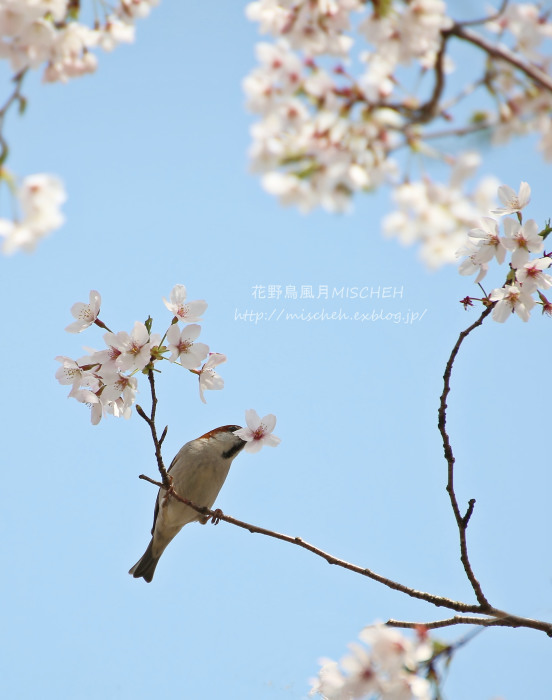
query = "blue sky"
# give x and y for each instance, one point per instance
(153, 152)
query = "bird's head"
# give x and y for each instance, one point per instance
(224, 441)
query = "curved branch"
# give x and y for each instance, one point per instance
(502, 53)
(217, 515)
(461, 520)
(500, 618)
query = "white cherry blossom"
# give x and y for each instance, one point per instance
(189, 312)
(258, 431)
(532, 277)
(135, 348)
(522, 240)
(183, 346)
(86, 314)
(513, 201)
(511, 298)
(209, 380)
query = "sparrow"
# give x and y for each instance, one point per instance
(198, 472)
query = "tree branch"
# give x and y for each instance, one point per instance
(16, 96)
(502, 53)
(150, 420)
(461, 520)
(500, 618)
(449, 622)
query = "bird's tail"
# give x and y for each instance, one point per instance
(145, 567)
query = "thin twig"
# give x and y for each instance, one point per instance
(498, 51)
(493, 619)
(16, 96)
(489, 18)
(461, 520)
(150, 420)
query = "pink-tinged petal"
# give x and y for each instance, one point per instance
(519, 257)
(194, 356)
(523, 312)
(178, 294)
(500, 253)
(272, 440)
(173, 335)
(506, 194)
(269, 421)
(193, 310)
(482, 272)
(215, 358)
(95, 299)
(253, 446)
(140, 333)
(524, 195)
(511, 227)
(501, 311)
(243, 433)
(190, 333)
(252, 419)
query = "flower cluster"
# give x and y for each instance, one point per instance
(324, 135)
(388, 670)
(437, 215)
(39, 197)
(37, 32)
(527, 277)
(327, 132)
(521, 110)
(105, 379)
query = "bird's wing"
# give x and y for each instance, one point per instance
(156, 509)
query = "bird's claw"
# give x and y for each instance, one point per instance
(215, 518)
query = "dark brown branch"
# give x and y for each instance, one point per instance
(502, 53)
(436, 600)
(494, 618)
(461, 520)
(430, 109)
(150, 420)
(449, 622)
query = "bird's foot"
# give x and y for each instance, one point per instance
(215, 518)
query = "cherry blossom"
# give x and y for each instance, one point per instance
(209, 380)
(386, 669)
(532, 277)
(511, 298)
(438, 216)
(513, 201)
(85, 314)
(185, 311)
(72, 371)
(487, 241)
(37, 33)
(135, 348)
(40, 197)
(183, 348)
(522, 240)
(119, 392)
(258, 431)
(91, 399)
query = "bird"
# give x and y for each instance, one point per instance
(198, 472)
